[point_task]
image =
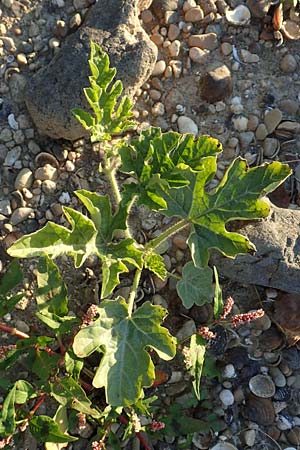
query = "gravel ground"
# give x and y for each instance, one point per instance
(232, 81)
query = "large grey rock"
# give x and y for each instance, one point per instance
(276, 262)
(57, 88)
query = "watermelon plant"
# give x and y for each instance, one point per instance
(168, 173)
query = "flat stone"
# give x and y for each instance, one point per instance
(173, 98)
(160, 7)
(276, 262)
(58, 87)
(20, 214)
(216, 84)
(173, 32)
(187, 125)
(208, 41)
(24, 179)
(272, 119)
(47, 172)
(261, 132)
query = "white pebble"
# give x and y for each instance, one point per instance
(12, 122)
(226, 397)
(187, 125)
(229, 371)
(64, 198)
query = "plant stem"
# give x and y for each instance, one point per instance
(154, 243)
(136, 280)
(139, 435)
(13, 331)
(111, 175)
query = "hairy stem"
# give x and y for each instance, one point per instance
(111, 175)
(154, 243)
(136, 280)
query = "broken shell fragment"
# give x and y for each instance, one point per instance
(291, 30)
(239, 15)
(277, 18)
(287, 129)
(262, 386)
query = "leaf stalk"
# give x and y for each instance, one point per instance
(135, 284)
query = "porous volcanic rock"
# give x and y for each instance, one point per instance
(276, 262)
(57, 88)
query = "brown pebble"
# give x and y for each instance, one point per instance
(289, 106)
(208, 41)
(194, 14)
(261, 132)
(288, 64)
(173, 32)
(294, 436)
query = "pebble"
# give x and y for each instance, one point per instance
(22, 326)
(226, 48)
(246, 137)
(173, 32)
(271, 147)
(188, 4)
(187, 329)
(6, 135)
(278, 377)
(229, 371)
(47, 172)
(12, 122)
(24, 179)
(187, 125)
(249, 57)
(5, 207)
(253, 122)
(288, 64)
(12, 156)
(294, 436)
(48, 187)
(240, 123)
(261, 132)
(289, 106)
(194, 14)
(207, 41)
(179, 241)
(272, 119)
(158, 109)
(20, 214)
(216, 84)
(249, 437)
(155, 94)
(147, 16)
(33, 147)
(75, 21)
(159, 68)
(64, 198)
(226, 397)
(174, 48)
(198, 55)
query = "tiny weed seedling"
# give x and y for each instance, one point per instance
(170, 173)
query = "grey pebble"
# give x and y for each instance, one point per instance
(24, 179)
(20, 214)
(12, 156)
(47, 172)
(5, 207)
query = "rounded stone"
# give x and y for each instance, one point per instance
(226, 397)
(240, 123)
(159, 68)
(288, 64)
(24, 179)
(173, 32)
(187, 125)
(174, 48)
(194, 14)
(289, 106)
(226, 48)
(47, 172)
(48, 187)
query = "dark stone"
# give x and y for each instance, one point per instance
(216, 84)
(57, 88)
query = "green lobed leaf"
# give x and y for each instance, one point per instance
(197, 354)
(73, 364)
(69, 393)
(52, 295)
(126, 366)
(236, 197)
(86, 237)
(111, 115)
(218, 297)
(156, 264)
(158, 158)
(195, 287)
(7, 414)
(45, 429)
